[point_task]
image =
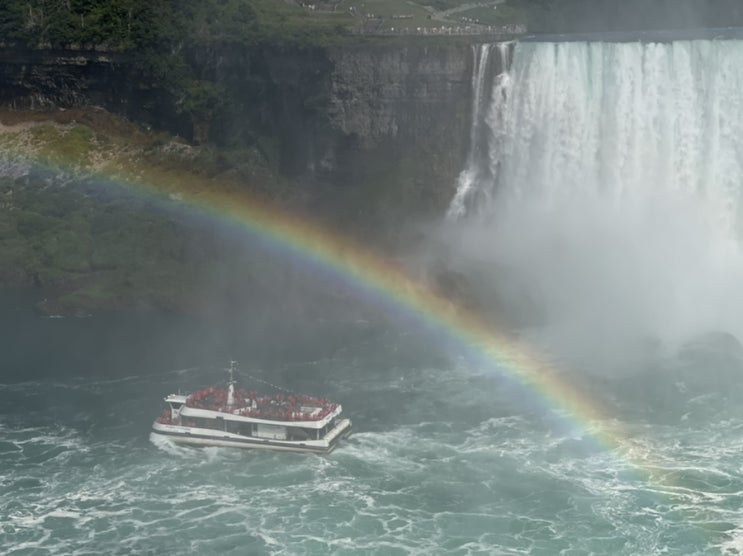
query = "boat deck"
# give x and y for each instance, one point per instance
(250, 404)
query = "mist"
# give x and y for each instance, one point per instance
(601, 281)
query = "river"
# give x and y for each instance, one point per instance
(445, 459)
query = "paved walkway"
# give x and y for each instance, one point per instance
(445, 14)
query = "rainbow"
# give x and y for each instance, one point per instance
(396, 290)
(378, 278)
(393, 289)
(391, 286)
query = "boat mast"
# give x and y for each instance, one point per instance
(231, 387)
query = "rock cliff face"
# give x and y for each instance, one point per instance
(47, 79)
(335, 115)
(408, 100)
(332, 109)
(371, 138)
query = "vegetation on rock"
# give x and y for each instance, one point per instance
(75, 223)
(143, 24)
(99, 214)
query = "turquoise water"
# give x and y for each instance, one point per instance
(445, 459)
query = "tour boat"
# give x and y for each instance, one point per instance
(232, 417)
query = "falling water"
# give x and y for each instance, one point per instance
(622, 120)
(483, 93)
(574, 118)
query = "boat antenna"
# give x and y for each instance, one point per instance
(231, 387)
(232, 370)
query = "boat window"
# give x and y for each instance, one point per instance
(296, 433)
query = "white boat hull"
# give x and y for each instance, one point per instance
(193, 436)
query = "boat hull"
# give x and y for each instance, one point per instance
(191, 436)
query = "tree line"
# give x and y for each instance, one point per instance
(132, 24)
(157, 35)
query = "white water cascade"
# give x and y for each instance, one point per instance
(613, 187)
(477, 168)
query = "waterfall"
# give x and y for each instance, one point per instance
(611, 181)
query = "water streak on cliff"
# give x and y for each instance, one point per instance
(487, 91)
